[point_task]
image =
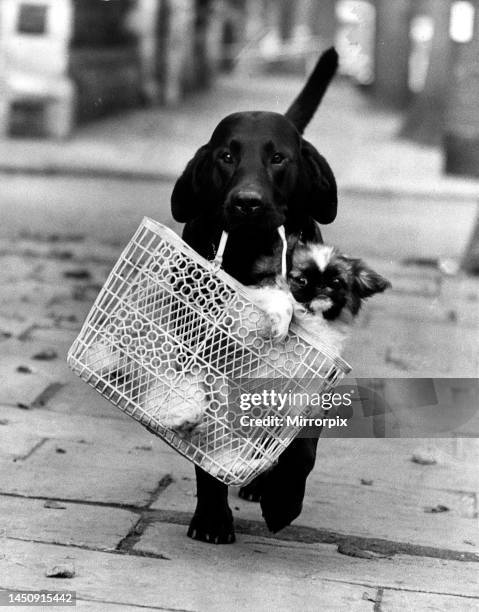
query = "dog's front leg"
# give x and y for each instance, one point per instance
(213, 519)
(278, 306)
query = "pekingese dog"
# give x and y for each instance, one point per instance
(328, 288)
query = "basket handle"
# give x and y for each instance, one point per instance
(218, 260)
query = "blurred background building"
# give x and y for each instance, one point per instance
(87, 58)
(67, 63)
(63, 62)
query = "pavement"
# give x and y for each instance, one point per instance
(388, 523)
(83, 484)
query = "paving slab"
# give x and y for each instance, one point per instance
(413, 348)
(13, 327)
(71, 524)
(123, 435)
(398, 601)
(56, 336)
(30, 294)
(254, 555)
(389, 462)
(102, 606)
(415, 285)
(466, 449)
(25, 380)
(33, 262)
(69, 470)
(273, 577)
(15, 446)
(461, 288)
(79, 398)
(33, 246)
(99, 606)
(437, 309)
(20, 389)
(15, 353)
(403, 516)
(99, 429)
(400, 503)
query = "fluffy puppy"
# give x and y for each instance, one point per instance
(328, 289)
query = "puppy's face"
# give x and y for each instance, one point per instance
(256, 172)
(327, 282)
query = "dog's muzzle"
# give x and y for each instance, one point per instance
(246, 202)
(321, 304)
(245, 207)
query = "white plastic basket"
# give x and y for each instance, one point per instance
(169, 332)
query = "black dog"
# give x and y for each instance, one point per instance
(255, 174)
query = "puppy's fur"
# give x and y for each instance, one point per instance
(328, 289)
(257, 172)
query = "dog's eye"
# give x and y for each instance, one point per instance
(226, 157)
(335, 282)
(302, 281)
(277, 158)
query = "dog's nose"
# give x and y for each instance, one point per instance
(247, 202)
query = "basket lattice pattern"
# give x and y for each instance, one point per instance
(170, 335)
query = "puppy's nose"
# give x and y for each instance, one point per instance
(247, 202)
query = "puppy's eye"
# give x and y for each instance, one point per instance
(302, 281)
(335, 282)
(277, 158)
(226, 157)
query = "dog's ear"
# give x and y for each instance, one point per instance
(366, 281)
(186, 200)
(317, 185)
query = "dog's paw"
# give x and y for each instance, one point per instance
(104, 358)
(279, 323)
(277, 305)
(188, 429)
(184, 416)
(212, 527)
(185, 419)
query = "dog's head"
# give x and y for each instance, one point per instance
(326, 281)
(256, 171)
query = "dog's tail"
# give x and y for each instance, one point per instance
(303, 108)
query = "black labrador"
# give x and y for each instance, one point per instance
(256, 173)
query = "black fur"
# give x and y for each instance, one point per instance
(296, 192)
(256, 173)
(304, 106)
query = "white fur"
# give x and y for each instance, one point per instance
(104, 358)
(333, 334)
(278, 305)
(321, 255)
(321, 305)
(184, 416)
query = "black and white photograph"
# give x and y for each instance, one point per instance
(239, 305)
